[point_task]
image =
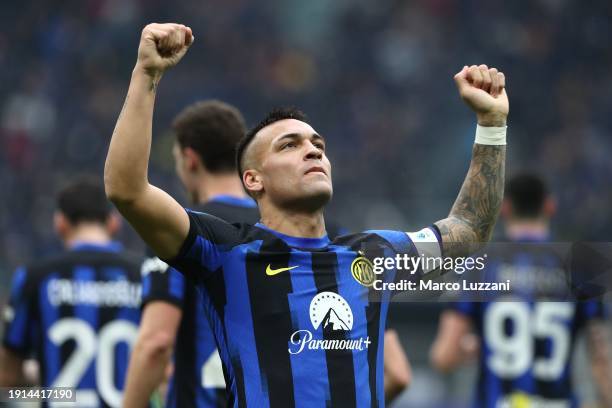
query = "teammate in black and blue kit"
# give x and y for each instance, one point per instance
(174, 318)
(296, 321)
(526, 340)
(76, 313)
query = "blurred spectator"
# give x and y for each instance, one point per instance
(374, 77)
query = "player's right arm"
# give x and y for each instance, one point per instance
(151, 353)
(156, 216)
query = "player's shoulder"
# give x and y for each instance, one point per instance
(231, 212)
(217, 230)
(358, 238)
(65, 261)
(130, 260)
(393, 238)
(38, 268)
(31, 273)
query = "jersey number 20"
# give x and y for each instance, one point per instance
(90, 347)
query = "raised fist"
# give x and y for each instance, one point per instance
(162, 46)
(484, 90)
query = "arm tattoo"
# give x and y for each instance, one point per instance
(472, 218)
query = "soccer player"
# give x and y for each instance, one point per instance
(76, 313)
(174, 317)
(294, 325)
(207, 133)
(528, 364)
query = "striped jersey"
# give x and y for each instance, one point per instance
(527, 338)
(77, 314)
(197, 379)
(297, 322)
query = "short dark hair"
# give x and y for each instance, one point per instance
(274, 115)
(212, 128)
(527, 193)
(84, 200)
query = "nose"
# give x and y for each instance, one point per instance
(313, 152)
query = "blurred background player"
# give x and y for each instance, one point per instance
(207, 133)
(173, 315)
(76, 313)
(526, 343)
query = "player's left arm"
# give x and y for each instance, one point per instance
(17, 316)
(152, 352)
(454, 344)
(474, 213)
(398, 373)
(12, 372)
(599, 353)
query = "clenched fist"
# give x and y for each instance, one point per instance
(484, 90)
(162, 46)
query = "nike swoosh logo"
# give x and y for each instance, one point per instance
(272, 272)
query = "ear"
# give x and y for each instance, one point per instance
(191, 159)
(61, 225)
(253, 181)
(506, 209)
(550, 207)
(113, 223)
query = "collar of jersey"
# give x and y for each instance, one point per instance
(246, 202)
(531, 238)
(112, 246)
(298, 242)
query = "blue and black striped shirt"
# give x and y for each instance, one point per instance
(295, 325)
(78, 315)
(529, 334)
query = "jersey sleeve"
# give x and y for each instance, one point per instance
(19, 315)
(590, 310)
(424, 244)
(208, 240)
(161, 282)
(428, 244)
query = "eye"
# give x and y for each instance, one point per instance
(319, 145)
(288, 145)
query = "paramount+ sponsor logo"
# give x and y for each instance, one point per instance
(332, 315)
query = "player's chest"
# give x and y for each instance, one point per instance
(307, 282)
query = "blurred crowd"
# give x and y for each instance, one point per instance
(375, 78)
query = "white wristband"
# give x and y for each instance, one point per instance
(486, 135)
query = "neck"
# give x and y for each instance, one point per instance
(517, 229)
(293, 223)
(89, 234)
(219, 184)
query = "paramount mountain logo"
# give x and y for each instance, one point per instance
(331, 314)
(332, 322)
(332, 311)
